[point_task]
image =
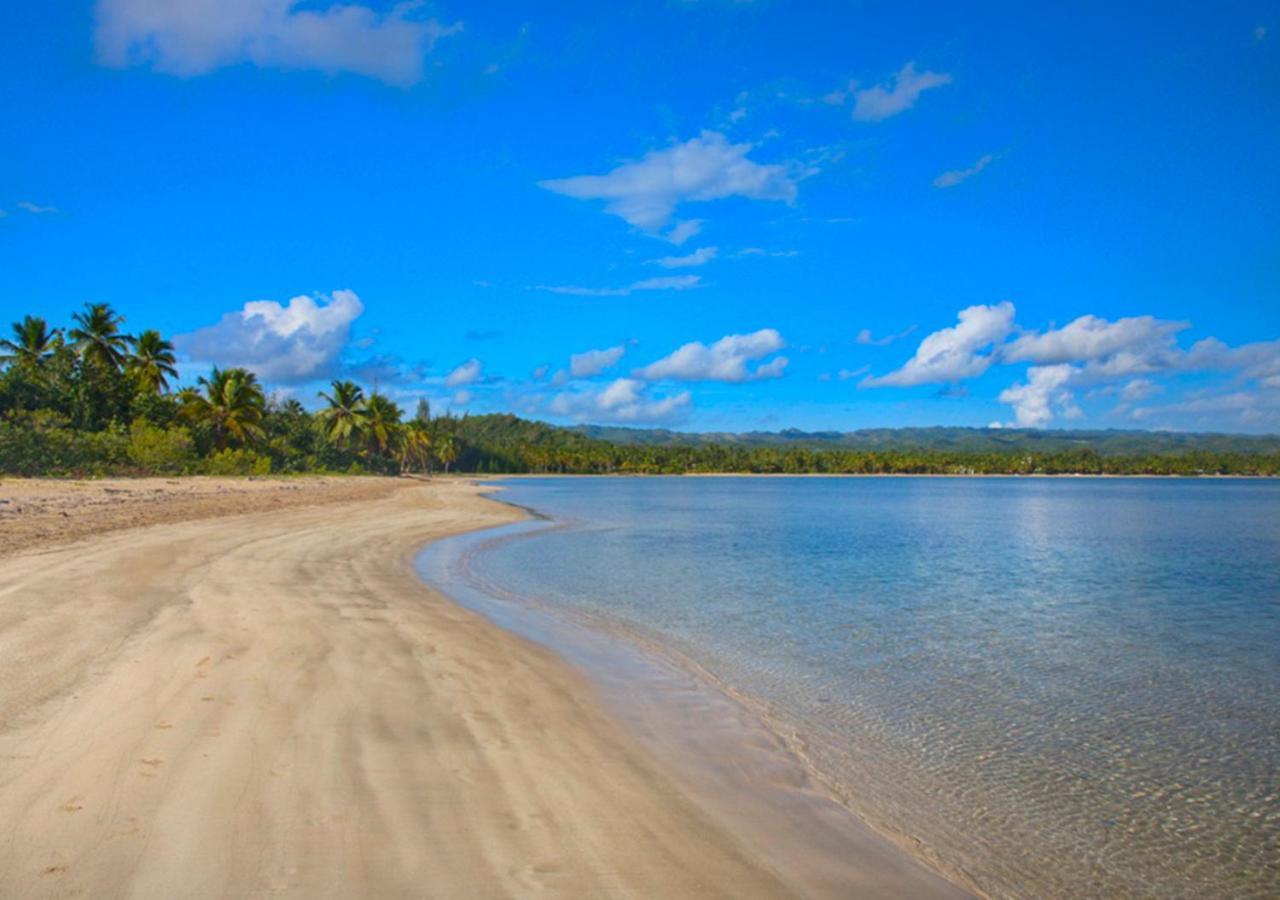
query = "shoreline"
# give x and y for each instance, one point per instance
(1099, 475)
(273, 701)
(740, 733)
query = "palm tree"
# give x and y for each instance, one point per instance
(152, 362)
(98, 337)
(232, 406)
(446, 450)
(345, 420)
(32, 342)
(414, 447)
(382, 421)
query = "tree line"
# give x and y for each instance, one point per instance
(92, 399)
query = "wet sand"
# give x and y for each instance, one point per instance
(271, 702)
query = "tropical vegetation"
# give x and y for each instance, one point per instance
(94, 399)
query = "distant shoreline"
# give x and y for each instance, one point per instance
(1100, 475)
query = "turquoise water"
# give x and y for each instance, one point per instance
(1065, 687)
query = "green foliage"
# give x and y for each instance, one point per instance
(229, 410)
(161, 450)
(44, 443)
(240, 461)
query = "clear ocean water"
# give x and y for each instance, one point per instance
(1062, 687)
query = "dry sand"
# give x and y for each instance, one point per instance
(272, 703)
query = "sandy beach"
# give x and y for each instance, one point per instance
(235, 688)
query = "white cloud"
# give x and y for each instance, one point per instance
(623, 400)
(699, 257)
(661, 283)
(1259, 360)
(1044, 391)
(865, 337)
(461, 398)
(1139, 389)
(760, 251)
(955, 353)
(725, 360)
(192, 37)
(1257, 410)
(667, 283)
(682, 231)
(1130, 346)
(708, 167)
(467, 373)
(898, 94)
(298, 342)
(35, 208)
(593, 362)
(958, 176)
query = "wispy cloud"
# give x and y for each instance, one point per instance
(760, 251)
(682, 231)
(468, 372)
(661, 283)
(192, 37)
(593, 362)
(647, 192)
(896, 94)
(35, 208)
(959, 176)
(845, 374)
(867, 339)
(725, 360)
(699, 257)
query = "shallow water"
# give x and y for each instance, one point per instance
(1065, 687)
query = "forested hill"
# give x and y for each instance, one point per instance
(505, 443)
(964, 440)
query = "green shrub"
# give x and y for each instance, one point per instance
(236, 462)
(43, 443)
(161, 450)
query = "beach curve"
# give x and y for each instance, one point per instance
(273, 703)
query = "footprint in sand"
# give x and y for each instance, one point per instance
(153, 762)
(75, 804)
(132, 827)
(164, 726)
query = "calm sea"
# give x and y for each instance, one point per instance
(1062, 687)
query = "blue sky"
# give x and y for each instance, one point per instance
(705, 215)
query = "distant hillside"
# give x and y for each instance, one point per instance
(959, 440)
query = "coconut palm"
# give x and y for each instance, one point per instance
(446, 450)
(382, 421)
(413, 450)
(32, 342)
(152, 362)
(98, 337)
(344, 422)
(231, 407)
